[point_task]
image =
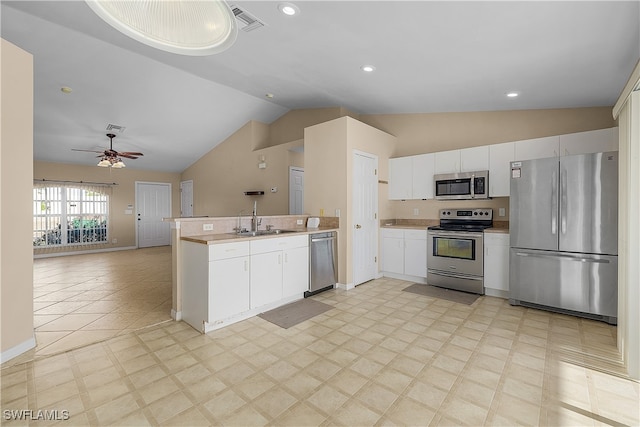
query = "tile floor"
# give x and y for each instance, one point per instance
(381, 356)
(82, 299)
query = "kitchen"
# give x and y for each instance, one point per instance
(503, 129)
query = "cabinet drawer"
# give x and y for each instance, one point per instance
(496, 239)
(393, 232)
(278, 244)
(228, 250)
(415, 234)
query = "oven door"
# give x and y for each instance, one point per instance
(455, 252)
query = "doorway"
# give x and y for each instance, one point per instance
(296, 190)
(186, 199)
(365, 217)
(153, 203)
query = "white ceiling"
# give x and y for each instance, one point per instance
(429, 56)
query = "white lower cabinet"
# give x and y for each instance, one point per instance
(496, 264)
(404, 252)
(227, 282)
(279, 268)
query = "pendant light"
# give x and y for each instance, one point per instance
(185, 27)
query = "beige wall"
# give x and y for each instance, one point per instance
(123, 226)
(16, 154)
(290, 126)
(431, 132)
(221, 176)
(328, 152)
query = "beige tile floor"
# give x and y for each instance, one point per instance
(82, 299)
(381, 356)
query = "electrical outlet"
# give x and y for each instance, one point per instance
(114, 241)
(416, 211)
(337, 213)
(207, 227)
(502, 212)
(299, 221)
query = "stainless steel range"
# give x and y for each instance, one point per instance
(455, 249)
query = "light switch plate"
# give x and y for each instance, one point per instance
(501, 212)
(416, 211)
(207, 227)
(299, 221)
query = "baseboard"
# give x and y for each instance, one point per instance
(496, 293)
(415, 279)
(90, 251)
(18, 350)
(176, 315)
(345, 286)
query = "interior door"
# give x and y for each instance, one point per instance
(296, 191)
(153, 202)
(186, 199)
(365, 217)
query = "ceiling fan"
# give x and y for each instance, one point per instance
(111, 157)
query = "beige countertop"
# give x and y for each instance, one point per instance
(409, 227)
(497, 230)
(212, 239)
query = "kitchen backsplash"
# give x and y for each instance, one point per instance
(428, 209)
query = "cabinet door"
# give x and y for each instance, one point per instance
(415, 256)
(228, 287)
(496, 261)
(266, 278)
(538, 148)
(400, 178)
(500, 156)
(595, 141)
(423, 167)
(474, 159)
(393, 255)
(447, 161)
(295, 272)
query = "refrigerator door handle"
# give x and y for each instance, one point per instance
(567, 257)
(554, 203)
(563, 201)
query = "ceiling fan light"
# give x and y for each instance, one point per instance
(104, 163)
(118, 164)
(185, 27)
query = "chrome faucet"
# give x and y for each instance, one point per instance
(255, 221)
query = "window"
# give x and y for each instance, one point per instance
(70, 215)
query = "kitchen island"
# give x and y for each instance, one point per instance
(224, 277)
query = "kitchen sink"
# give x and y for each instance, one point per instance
(263, 232)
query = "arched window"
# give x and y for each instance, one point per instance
(70, 214)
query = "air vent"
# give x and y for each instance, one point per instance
(115, 128)
(246, 21)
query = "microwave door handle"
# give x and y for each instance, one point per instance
(473, 186)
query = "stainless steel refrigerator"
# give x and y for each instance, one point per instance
(564, 234)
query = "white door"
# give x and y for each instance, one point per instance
(186, 199)
(365, 217)
(296, 191)
(153, 203)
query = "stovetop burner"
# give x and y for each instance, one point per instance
(465, 220)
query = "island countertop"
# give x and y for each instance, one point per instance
(212, 239)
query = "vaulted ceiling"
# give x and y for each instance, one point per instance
(429, 56)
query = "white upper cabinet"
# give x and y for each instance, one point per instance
(400, 178)
(537, 148)
(465, 160)
(447, 161)
(500, 158)
(423, 169)
(594, 141)
(474, 159)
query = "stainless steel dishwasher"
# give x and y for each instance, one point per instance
(323, 262)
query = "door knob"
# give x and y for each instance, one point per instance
(358, 226)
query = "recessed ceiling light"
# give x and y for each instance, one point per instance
(368, 68)
(288, 9)
(512, 94)
(66, 89)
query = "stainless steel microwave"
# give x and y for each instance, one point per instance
(462, 186)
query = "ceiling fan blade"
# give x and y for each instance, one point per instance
(130, 153)
(128, 156)
(90, 151)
